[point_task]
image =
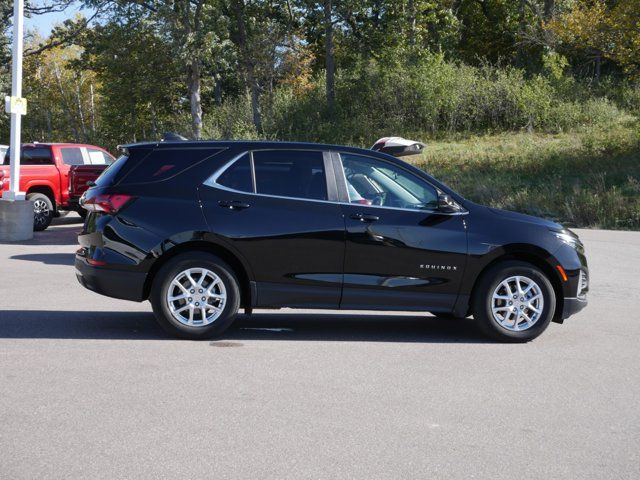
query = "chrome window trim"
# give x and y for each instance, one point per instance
(212, 182)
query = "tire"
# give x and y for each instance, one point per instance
(43, 211)
(82, 212)
(196, 326)
(506, 325)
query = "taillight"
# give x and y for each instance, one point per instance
(107, 203)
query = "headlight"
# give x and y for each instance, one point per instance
(570, 239)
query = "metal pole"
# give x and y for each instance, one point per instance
(16, 91)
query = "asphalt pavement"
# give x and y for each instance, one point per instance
(90, 387)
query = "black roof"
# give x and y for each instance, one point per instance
(248, 144)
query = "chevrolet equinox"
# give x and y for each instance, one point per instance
(202, 229)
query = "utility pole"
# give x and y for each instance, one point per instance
(16, 214)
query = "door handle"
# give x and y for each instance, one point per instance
(233, 204)
(364, 217)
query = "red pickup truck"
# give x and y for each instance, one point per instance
(54, 176)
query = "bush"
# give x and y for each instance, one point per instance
(437, 97)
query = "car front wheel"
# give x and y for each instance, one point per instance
(195, 296)
(514, 302)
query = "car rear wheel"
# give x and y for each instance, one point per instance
(514, 302)
(43, 211)
(195, 296)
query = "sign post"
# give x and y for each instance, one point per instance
(16, 105)
(16, 214)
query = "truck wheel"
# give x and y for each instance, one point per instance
(43, 211)
(195, 296)
(514, 302)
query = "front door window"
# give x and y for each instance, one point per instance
(375, 182)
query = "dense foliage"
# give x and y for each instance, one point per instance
(341, 70)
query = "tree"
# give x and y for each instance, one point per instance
(61, 97)
(604, 29)
(261, 33)
(192, 29)
(330, 63)
(140, 93)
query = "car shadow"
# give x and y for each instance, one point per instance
(60, 235)
(47, 258)
(70, 219)
(33, 324)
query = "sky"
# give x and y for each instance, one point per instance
(45, 23)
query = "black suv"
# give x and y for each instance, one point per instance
(202, 229)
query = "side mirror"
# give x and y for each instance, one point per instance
(398, 146)
(446, 204)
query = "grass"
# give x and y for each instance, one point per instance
(586, 178)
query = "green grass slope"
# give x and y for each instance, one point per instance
(585, 178)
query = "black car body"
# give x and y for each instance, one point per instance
(317, 226)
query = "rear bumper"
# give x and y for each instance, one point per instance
(572, 306)
(123, 284)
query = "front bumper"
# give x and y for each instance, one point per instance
(123, 284)
(572, 306)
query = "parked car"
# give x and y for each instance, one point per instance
(202, 229)
(55, 175)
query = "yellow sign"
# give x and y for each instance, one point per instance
(15, 105)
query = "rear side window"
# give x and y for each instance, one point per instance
(238, 175)
(290, 173)
(166, 163)
(72, 156)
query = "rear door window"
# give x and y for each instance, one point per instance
(290, 173)
(238, 176)
(72, 156)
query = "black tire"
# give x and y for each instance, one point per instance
(162, 283)
(43, 211)
(82, 212)
(483, 295)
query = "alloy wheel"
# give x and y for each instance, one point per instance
(196, 297)
(517, 303)
(41, 212)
